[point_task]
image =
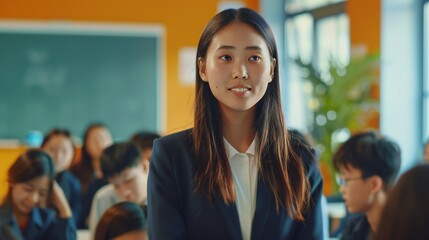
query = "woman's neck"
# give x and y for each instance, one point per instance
(238, 129)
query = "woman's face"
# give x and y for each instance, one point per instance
(98, 139)
(27, 195)
(238, 67)
(60, 148)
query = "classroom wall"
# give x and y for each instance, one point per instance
(183, 26)
(183, 22)
(7, 157)
(365, 31)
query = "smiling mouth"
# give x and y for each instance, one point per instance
(240, 90)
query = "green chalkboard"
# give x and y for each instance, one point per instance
(71, 80)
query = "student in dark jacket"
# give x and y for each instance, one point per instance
(88, 170)
(236, 174)
(368, 164)
(31, 183)
(59, 145)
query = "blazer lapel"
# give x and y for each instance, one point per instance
(264, 205)
(230, 218)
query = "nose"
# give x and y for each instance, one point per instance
(240, 71)
(34, 198)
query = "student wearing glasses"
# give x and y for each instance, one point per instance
(368, 164)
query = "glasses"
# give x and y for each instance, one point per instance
(343, 181)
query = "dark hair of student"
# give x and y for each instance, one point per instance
(84, 169)
(54, 132)
(119, 219)
(119, 157)
(32, 164)
(406, 214)
(58, 132)
(280, 167)
(372, 154)
(144, 140)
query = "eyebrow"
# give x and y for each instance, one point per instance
(34, 186)
(247, 48)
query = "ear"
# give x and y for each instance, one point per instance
(377, 184)
(202, 69)
(272, 68)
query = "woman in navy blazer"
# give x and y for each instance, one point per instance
(31, 182)
(238, 174)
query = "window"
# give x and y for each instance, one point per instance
(426, 71)
(316, 32)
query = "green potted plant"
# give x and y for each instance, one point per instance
(338, 99)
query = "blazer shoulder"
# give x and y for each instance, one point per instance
(177, 139)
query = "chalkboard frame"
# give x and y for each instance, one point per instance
(103, 29)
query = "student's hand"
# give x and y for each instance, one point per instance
(59, 200)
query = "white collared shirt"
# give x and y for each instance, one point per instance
(244, 169)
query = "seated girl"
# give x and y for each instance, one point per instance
(59, 145)
(31, 183)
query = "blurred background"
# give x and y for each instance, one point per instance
(346, 66)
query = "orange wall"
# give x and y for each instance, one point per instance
(183, 21)
(7, 157)
(365, 23)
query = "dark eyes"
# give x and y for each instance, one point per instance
(225, 58)
(254, 58)
(229, 58)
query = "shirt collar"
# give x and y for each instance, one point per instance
(231, 151)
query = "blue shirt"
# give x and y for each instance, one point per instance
(42, 225)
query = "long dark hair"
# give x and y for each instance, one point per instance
(406, 214)
(281, 168)
(84, 169)
(30, 165)
(119, 219)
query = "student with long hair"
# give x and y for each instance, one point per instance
(31, 183)
(58, 143)
(88, 170)
(236, 174)
(406, 214)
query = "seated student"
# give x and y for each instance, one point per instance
(125, 220)
(368, 164)
(31, 182)
(59, 144)
(96, 138)
(144, 141)
(406, 214)
(122, 166)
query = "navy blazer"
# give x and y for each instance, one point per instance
(42, 225)
(175, 211)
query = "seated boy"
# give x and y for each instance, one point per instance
(368, 165)
(122, 166)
